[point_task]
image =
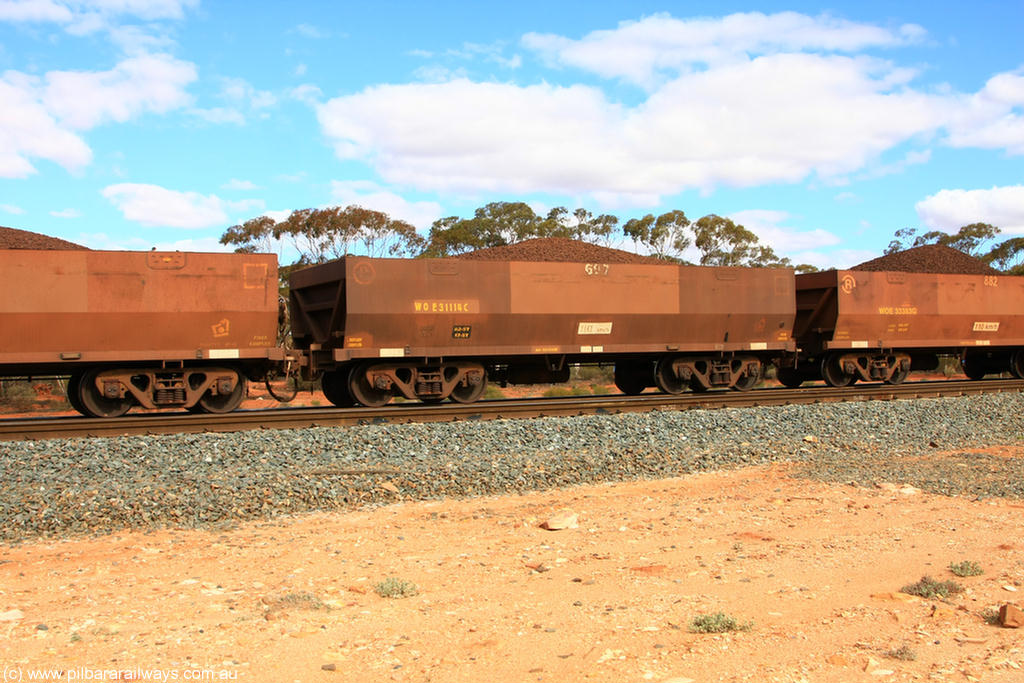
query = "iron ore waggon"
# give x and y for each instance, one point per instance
(153, 329)
(436, 329)
(876, 326)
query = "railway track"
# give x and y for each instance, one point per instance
(298, 418)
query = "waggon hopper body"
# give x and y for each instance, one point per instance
(439, 328)
(155, 329)
(875, 326)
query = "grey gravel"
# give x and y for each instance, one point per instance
(68, 487)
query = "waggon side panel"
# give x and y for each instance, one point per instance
(459, 307)
(920, 310)
(60, 306)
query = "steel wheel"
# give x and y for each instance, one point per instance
(748, 381)
(72, 393)
(335, 387)
(362, 391)
(666, 379)
(789, 377)
(629, 379)
(1017, 364)
(833, 374)
(973, 367)
(94, 403)
(468, 392)
(223, 403)
(898, 376)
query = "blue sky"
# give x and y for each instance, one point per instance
(129, 124)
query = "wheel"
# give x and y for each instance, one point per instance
(789, 377)
(224, 403)
(899, 375)
(1017, 364)
(748, 381)
(833, 374)
(974, 367)
(630, 379)
(666, 379)
(468, 393)
(94, 403)
(72, 393)
(697, 385)
(362, 391)
(335, 387)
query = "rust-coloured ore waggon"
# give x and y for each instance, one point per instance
(435, 329)
(153, 329)
(877, 326)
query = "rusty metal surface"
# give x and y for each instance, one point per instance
(66, 308)
(445, 307)
(297, 418)
(858, 309)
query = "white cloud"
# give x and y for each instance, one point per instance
(41, 115)
(949, 210)
(12, 209)
(369, 195)
(993, 118)
(236, 184)
(153, 205)
(641, 51)
(85, 15)
(767, 226)
(745, 100)
(219, 115)
(307, 92)
(241, 91)
(735, 125)
(66, 213)
(34, 11)
(144, 83)
(29, 130)
(310, 31)
(134, 243)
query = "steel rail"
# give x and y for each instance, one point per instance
(37, 428)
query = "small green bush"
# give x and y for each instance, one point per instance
(395, 588)
(19, 396)
(966, 568)
(904, 653)
(931, 589)
(718, 622)
(493, 391)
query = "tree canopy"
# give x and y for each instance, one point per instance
(318, 235)
(975, 239)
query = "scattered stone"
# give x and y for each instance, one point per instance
(557, 249)
(1011, 616)
(61, 488)
(12, 615)
(388, 486)
(930, 258)
(811, 439)
(329, 667)
(895, 597)
(1011, 589)
(563, 519)
(837, 660)
(12, 238)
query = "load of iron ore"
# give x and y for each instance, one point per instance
(557, 249)
(930, 258)
(12, 238)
